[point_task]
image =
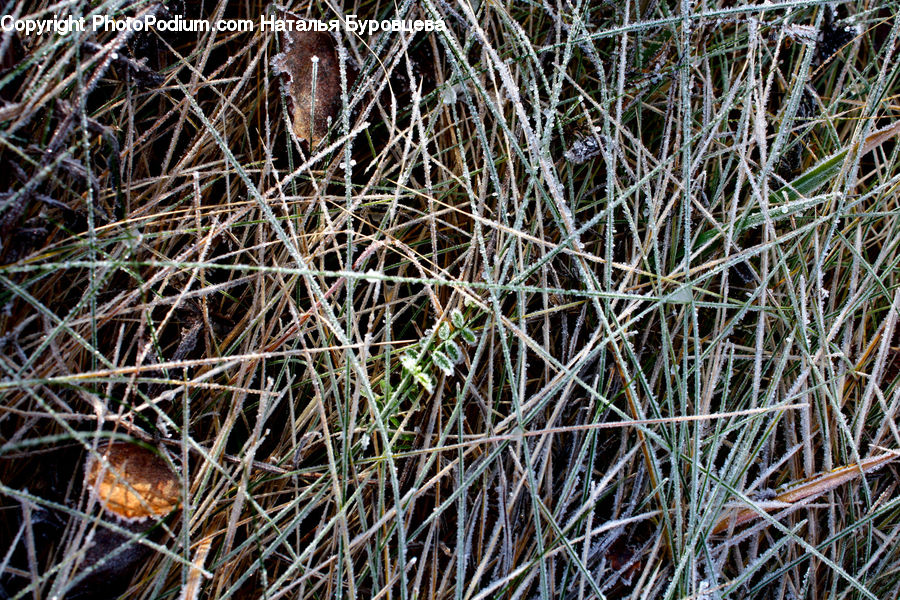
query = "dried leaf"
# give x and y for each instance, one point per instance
(624, 558)
(877, 138)
(132, 483)
(811, 488)
(313, 107)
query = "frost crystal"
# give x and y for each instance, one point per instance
(448, 94)
(583, 150)
(802, 33)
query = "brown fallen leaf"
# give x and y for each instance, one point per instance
(624, 559)
(877, 138)
(132, 483)
(312, 108)
(811, 488)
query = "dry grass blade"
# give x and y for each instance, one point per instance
(192, 587)
(807, 490)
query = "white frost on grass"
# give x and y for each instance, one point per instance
(583, 150)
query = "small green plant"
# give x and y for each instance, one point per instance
(442, 353)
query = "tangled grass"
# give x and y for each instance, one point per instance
(576, 299)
